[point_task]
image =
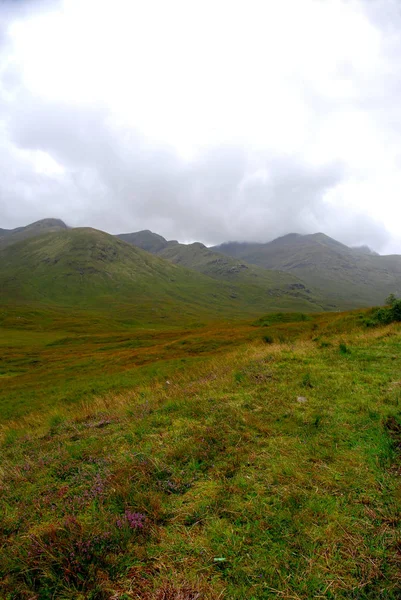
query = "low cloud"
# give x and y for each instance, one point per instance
(84, 162)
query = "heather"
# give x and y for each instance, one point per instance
(224, 467)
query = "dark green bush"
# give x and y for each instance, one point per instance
(385, 315)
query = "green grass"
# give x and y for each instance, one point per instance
(199, 473)
(47, 366)
(273, 318)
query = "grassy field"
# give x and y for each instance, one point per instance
(218, 461)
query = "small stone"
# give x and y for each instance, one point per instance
(302, 399)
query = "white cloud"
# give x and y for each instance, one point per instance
(204, 120)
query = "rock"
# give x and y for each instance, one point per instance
(302, 399)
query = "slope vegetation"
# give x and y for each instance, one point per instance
(11, 236)
(147, 240)
(262, 471)
(87, 268)
(349, 277)
(250, 279)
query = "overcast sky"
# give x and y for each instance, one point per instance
(208, 120)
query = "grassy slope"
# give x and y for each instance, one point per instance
(348, 277)
(11, 236)
(278, 283)
(196, 256)
(88, 268)
(147, 240)
(242, 491)
(250, 280)
(345, 277)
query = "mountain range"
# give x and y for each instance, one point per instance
(342, 277)
(48, 262)
(91, 269)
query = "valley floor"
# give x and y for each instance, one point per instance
(234, 461)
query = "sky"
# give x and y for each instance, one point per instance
(206, 120)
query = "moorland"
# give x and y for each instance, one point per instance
(179, 432)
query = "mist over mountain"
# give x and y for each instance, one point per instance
(343, 276)
(258, 139)
(354, 276)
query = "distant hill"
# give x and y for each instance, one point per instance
(350, 277)
(10, 236)
(199, 258)
(364, 250)
(87, 268)
(293, 272)
(147, 240)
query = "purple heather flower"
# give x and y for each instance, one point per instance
(135, 520)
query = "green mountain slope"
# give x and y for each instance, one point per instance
(248, 278)
(349, 277)
(11, 236)
(198, 257)
(87, 268)
(305, 272)
(147, 240)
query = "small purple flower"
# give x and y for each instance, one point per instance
(135, 520)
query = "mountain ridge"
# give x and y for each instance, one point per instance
(198, 257)
(87, 268)
(350, 276)
(325, 272)
(48, 225)
(341, 276)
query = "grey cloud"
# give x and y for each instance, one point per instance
(116, 179)
(358, 229)
(77, 137)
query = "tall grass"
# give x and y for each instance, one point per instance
(208, 479)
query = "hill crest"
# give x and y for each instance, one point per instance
(84, 267)
(48, 225)
(337, 275)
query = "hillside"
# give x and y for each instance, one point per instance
(147, 240)
(11, 236)
(199, 258)
(87, 268)
(214, 264)
(294, 272)
(350, 277)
